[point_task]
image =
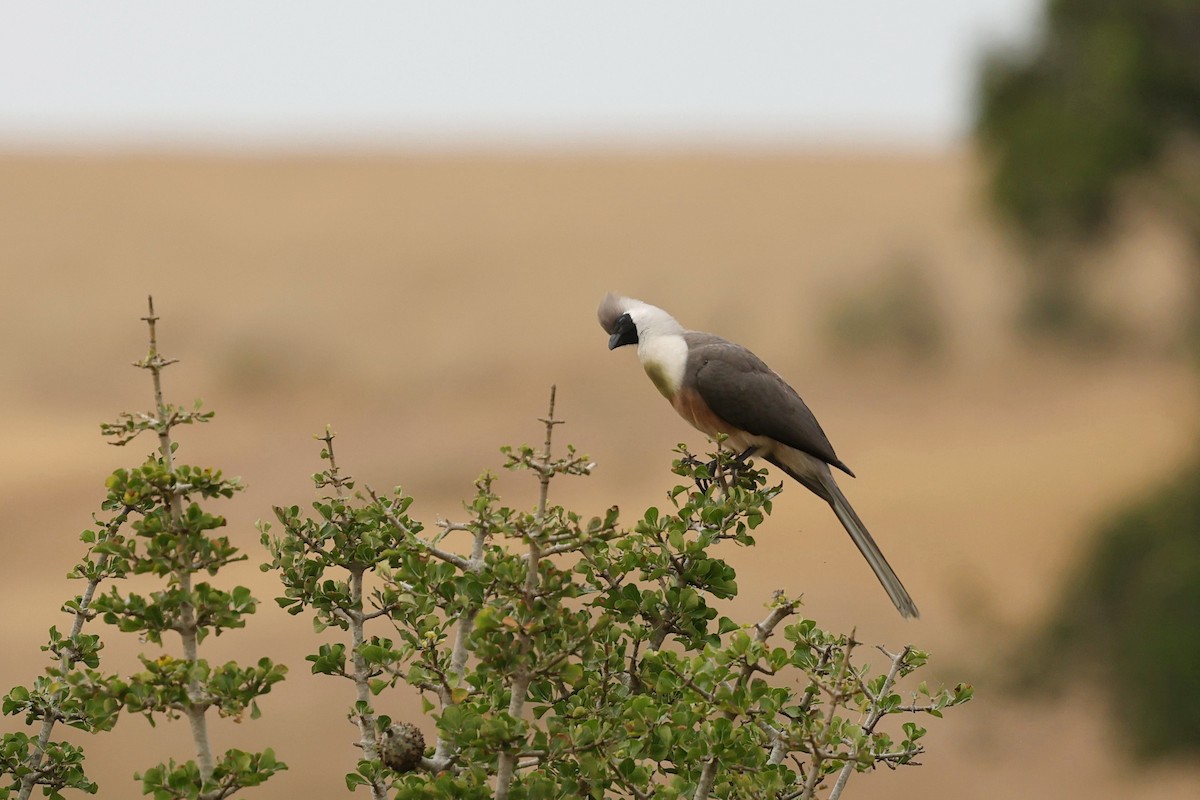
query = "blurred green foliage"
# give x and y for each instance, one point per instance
(1108, 93)
(1105, 92)
(1108, 96)
(1132, 611)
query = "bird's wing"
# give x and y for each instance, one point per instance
(746, 393)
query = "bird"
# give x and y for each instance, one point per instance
(721, 388)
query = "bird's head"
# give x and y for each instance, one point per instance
(627, 321)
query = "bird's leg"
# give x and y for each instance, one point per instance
(701, 483)
(739, 460)
(738, 464)
(735, 467)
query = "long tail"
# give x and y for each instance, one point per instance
(871, 552)
(816, 477)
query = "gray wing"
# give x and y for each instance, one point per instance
(746, 393)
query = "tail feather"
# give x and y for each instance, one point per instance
(816, 477)
(871, 552)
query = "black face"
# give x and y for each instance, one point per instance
(624, 333)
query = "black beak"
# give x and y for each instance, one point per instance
(624, 332)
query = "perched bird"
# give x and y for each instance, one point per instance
(722, 388)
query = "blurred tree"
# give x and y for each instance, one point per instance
(1133, 609)
(1107, 96)
(1106, 100)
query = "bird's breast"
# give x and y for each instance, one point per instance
(691, 406)
(661, 380)
(664, 358)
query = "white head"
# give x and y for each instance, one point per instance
(659, 338)
(629, 321)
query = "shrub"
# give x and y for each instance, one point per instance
(557, 656)
(568, 657)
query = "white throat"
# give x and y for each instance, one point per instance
(664, 357)
(661, 346)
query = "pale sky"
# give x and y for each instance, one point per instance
(297, 72)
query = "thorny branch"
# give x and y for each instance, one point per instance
(68, 656)
(818, 755)
(875, 712)
(465, 564)
(520, 684)
(188, 629)
(364, 717)
(780, 611)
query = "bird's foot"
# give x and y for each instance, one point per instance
(701, 483)
(740, 460)
(735, 465)
(734, 468)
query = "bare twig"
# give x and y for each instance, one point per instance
(875, 713)
(507, 763)
(780, 610)
(818, 756)
(68, 657)
(443, 755)
(198, 703)
(467, 565)
(363, 716)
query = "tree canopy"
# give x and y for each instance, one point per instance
(1110, 89)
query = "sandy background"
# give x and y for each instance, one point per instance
(423, 306)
